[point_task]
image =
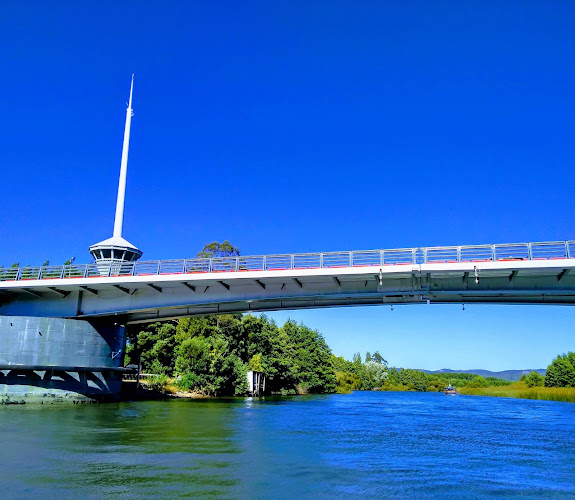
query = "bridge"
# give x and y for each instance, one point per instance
(132, 292)
(62, 327)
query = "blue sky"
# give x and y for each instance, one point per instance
(300, 126)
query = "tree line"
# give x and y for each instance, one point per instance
(372, 373)
(213, 354)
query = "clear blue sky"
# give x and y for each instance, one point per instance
(294, 126)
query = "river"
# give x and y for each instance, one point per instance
(385, 444)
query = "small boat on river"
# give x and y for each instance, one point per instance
(450, 390)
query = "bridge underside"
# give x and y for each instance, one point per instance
(133, 299)
(48, 360)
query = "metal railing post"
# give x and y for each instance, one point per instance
(381, 257)
(493, 256)
(350, 259)
(458, 254)
(567, 251)
(321, 260)
(424, 255)
(210, 265)
(264, 263)
(529, 251)
(292, 261)
(237, 264)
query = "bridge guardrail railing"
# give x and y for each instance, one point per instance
(549, 250)
(476, 253)
(338, 259)
(364, 258)
(519, 251)
(401, 256)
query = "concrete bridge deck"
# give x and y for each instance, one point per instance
(527, 273)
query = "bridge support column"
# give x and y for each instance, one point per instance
(47, 360)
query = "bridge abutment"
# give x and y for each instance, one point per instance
(46, 360)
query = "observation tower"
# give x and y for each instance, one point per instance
(116, 250)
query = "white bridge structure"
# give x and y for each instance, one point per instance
(135, 292)
(62, 327)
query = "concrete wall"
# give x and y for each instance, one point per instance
(37, 344)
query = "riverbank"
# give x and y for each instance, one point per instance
(520, 390)
(150, 389)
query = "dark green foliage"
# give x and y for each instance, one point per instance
(312, 368)
(406, 380)
(561, 372)
(157, 344)
(211, 354)
(378, 358)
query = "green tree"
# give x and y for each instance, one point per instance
(215, 249)
(346, 382)
(561, 371)
(256, 363)
(375, 374)
(157, 346)
(276, 349)
(312, 359)
(378, 358)
(534, 379)
(477, 381)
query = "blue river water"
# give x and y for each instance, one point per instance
(384, 444)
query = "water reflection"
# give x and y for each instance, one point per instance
(385, 444)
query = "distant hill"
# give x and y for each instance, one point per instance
(509, 375)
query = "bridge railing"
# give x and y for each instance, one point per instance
(549, 250)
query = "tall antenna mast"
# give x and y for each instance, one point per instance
(112, 252)
(119, 220)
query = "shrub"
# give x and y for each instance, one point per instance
(346, 382)
(477, 381)
(158, 383)
(534, 379)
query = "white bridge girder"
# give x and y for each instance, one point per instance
(135, 299)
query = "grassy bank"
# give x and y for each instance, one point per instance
(520, 390)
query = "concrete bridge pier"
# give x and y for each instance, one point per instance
(47, 360)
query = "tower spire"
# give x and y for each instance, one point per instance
(119, 220)
(116, 249)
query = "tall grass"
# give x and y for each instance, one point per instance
(520, 390)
